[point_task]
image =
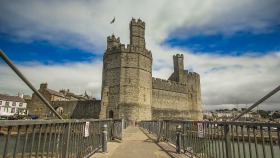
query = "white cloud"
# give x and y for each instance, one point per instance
(78, 77)
(85, 25)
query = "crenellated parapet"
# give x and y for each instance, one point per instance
(193, 75)
(169, 85)
(138, 22)
(122, 48)
(178, 56)
(112, 41)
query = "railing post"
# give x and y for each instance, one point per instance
(104, 138)
(159, 131)
(150, 127)
(66, 140)
(227, 141)
(178, 138)
(122, 128)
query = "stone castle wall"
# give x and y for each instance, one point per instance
(37, 107)
(79, 109)
(168, 85)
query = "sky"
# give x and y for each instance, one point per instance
(234, 45)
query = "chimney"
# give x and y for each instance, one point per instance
(44, 86)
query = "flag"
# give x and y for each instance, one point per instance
(113, 21)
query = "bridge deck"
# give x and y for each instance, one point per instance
(138, 144)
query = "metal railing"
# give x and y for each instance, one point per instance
(55, 138)
(219, 139)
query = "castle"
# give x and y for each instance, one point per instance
(129, 91)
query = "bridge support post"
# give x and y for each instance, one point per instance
(227, 141)
(178, 138)
(104, 138)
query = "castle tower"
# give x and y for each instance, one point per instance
(178, 61)
(127, 77)
(137, 33)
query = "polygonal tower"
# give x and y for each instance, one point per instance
(127, 77)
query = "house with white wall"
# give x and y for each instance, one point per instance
(10, 105)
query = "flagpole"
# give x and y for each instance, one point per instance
(113, 21)
(114, 28)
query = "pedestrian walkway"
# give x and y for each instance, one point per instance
(138, 144)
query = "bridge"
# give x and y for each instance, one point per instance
(155, 138)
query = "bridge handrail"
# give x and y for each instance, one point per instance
(219, 139)
(56, 138)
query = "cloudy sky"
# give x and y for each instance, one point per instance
(234, 45)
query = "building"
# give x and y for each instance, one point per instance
(66, 103)
(129, 91)
(10, 105)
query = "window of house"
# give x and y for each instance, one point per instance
(7, 103)
(0, 102)
(20, 104)
(14, 104)
(13, 110)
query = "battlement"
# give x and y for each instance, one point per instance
(169, 85)
(113, 39)
(139, 22)
(128, 49)
(178, 56)
(192, 74)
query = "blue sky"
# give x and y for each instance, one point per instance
(234, 47)
(43, 52)
(237, 44)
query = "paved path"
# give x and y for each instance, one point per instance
(138, 144)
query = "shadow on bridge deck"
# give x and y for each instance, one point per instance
(138, 143)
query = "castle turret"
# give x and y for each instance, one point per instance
(137, 33)
(112, 41)
(178, 61)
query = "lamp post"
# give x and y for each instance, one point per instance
(236, 98)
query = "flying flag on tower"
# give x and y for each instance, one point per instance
(113, 20)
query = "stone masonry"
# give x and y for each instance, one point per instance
(130, 92)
